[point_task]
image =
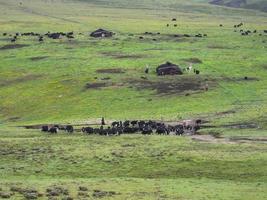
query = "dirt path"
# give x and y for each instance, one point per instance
(230, 140)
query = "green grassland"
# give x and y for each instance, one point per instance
(46, 83)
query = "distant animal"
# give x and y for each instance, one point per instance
(190, 67)
(147, 130)
(206, 87)
(147, 69)
(53, 130)
(221, 25)
(173, 19)
(88, 130)
(141, 37)
(45, 129)
(167, 25)
(69, 129)
(197, 71)
(175, 25)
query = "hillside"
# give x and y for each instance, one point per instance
(247, 4)
(75, 80)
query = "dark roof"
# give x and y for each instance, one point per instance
(168, 69)
(101, 33)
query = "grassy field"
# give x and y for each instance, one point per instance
(57, 81)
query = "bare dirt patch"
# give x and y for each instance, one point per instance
(249, 139)
(38, 58)
(248, 125)
(118, 55)
(264, 66)
(102, 194)
(22, 79)
(111, 71)
(192, 60)
(96, 85)
(171, 86)
(13, 46)
(217, 46)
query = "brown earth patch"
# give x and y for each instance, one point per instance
(249, 139)
(38, 58)
(13, 119)
(22, 79)
(96, 85)
(217, 46)
(111, 71)
(102, 194)
(247, 125)
(192, 60)
(177, 86)
(13, 46)
(264, 66)
(117, 55)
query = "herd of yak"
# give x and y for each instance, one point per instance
(131, 127)
(104, 33)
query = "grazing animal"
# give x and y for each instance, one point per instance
(45, 129)
(88, 130)
(206, 87)
(179, 129)
(69, 129)
(189, 69)
(117, 124)
(41, 39)
(147, 130)
(53, 130)
(197, 71)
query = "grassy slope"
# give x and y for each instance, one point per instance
(134, 167)
(250, 4)
(52, 90)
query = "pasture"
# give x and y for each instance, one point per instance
(79, 80)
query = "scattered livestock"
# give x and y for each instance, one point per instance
(168, 69)
(186, 127)
(56, 128)
(238, 25)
